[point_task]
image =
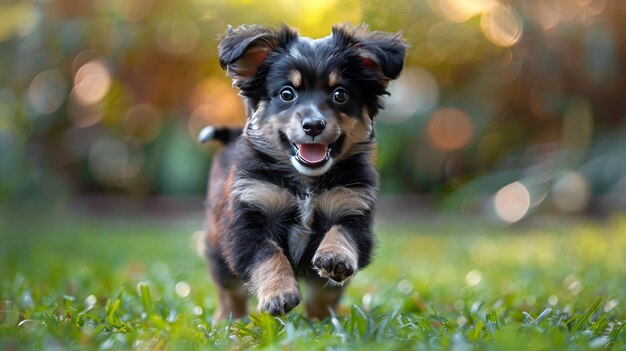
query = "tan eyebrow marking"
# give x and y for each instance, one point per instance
(333, 79)
(295, 77)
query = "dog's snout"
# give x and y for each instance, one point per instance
(313, 126)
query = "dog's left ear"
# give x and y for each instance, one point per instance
(244, 49)
(380, 52)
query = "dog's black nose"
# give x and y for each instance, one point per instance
(313, 126)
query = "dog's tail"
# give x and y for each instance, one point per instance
(221, 134)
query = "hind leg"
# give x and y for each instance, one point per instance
(233, 297)
(233, 302)
(322, 297)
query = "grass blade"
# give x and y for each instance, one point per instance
(617, 330)
(146, 296)
(544, 314)
(477, 329)
(586, 316)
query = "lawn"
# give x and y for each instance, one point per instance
(437, 283)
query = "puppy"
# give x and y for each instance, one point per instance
(292, 195)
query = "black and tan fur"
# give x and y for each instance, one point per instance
(272, 217)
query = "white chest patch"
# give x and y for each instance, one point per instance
(299, 235)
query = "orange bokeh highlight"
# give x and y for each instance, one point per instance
(502, 25)
(91, 83)
(215, 103)
(450, 129)
(459, 10)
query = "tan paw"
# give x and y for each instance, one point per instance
(279, 302)
(336, 266)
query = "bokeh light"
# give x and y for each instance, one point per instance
(459, 10)
(512, 202)
(182, 289)
(595, 7)
(214, 103)
(197, 310)
(405, 286)
(569, 10)
(17, 18)
(573, 284)
(81, 58)
(502, 25)
(450, 129)
(546, 13)
(571, 192)
(553, 300)
(47, 91)
(91, 82)
(473, 278)
(415, 92)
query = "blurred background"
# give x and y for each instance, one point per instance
(505, 109)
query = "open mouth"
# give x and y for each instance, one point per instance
(312, 155)
(312, 159)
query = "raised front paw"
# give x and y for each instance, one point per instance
(278, 301)
(334, 265)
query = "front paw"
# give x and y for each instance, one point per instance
(278, 302)
(335, 266)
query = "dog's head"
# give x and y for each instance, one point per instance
(311, 102)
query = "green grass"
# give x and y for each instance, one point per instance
(114, 284)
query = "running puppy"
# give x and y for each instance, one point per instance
(294, 195)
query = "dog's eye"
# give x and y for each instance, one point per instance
(287, 94)
(340, 95)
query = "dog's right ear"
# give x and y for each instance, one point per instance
(381, 52)
(244, 49)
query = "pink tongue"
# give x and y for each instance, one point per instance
(312, 153)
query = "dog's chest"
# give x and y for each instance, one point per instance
(300, 234)
(333, 205)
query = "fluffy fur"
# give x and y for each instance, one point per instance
(294, 195)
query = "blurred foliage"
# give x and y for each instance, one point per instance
(520, 100)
